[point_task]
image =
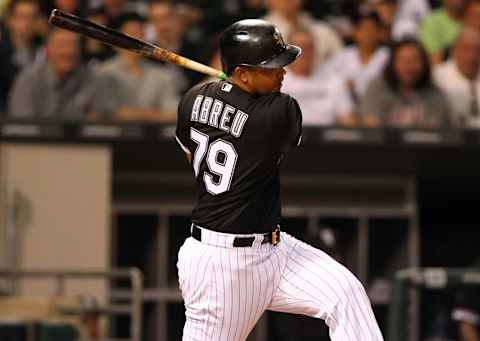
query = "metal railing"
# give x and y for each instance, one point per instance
(133, 308)
(403, 311)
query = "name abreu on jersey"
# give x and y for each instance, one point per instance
(217, 114)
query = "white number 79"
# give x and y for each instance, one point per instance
(223, 169)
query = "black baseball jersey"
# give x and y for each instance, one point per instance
(237, 141)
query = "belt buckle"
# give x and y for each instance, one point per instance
(275, 236)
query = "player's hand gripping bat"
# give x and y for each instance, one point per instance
(118, 39)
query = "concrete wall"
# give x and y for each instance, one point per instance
(63, 198)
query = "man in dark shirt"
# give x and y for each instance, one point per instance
(59, 87)
(237, 263)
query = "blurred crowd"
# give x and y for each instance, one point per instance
(370, 63)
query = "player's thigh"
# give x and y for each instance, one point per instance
(316, 285)
(225, 290)
(313, 283)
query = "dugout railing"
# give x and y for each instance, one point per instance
(127, 305)
(403, 323)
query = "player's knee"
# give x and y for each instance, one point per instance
(353, 287)
(350, 293)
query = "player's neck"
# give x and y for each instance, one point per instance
(242, 85)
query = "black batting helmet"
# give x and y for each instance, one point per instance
(255, 42)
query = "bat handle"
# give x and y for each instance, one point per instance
(163, 54)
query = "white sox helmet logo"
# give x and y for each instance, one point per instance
(277, 37)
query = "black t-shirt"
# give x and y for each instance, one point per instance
(237, 141)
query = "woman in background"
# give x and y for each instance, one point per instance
(404, 96)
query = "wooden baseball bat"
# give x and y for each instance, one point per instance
(118, 39)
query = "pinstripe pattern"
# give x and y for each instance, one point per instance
(227, 289)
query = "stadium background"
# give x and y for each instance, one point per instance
(84, 195)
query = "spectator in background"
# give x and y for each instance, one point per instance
(324, 100)
(439, 29)
(17, 47)
(466, 311)
(467, 314)
(113, 9)
(3, 8)
(77, 7)
(71, 6)
(190, 15)
(386, 10)
(288, 16)
(164, 27)
(250, 9)
(217, 14)
(408, 17)
(404, 96)
(174, 27)
(459, 78)
(472, 15)
(59, 87)
(336, 13)
(365, 60)
(140, 89)
(93, 50)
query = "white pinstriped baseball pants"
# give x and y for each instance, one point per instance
(226, 289)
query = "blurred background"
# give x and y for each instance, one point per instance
(95, 195)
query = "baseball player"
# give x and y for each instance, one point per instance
(237, 263)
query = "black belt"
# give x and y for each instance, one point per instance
(270, 237)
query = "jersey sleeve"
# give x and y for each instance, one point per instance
(183, 125)
(294, 123)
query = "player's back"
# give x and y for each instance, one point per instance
(237, 141)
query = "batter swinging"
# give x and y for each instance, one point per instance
(237, 263)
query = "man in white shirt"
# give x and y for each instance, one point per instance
(287, 15)
(357, 65)
(459, 78)
(408, 18)
(323, 98)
